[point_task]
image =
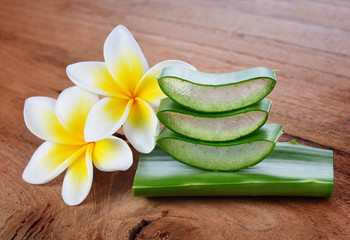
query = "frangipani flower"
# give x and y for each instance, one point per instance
(129, 87)
(61, 123)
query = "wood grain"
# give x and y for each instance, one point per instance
(307, 41)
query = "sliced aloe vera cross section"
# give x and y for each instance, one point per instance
(213, 126)
(221, 156)
(208, 92)
(290, 170)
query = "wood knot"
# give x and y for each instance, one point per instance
(163, 235)
(137, 229)
(165, 213)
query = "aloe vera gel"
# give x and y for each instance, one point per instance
(221, 156)
(207, 92)
(213, 126)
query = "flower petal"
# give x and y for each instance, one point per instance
(72, 108)
(124, 59)
(106, 117)
(48, 161)
(148, 89)
(40, 118)
(141, 126)
(78, 179)
(94, 77)
(112, 154)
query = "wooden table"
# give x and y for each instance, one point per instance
(308, 41)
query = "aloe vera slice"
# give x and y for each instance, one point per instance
(290, 170)
(213, 126)
(207, 92)
(221, 156)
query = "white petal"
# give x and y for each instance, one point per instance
(112, 154)
(78, 179)
(40, 118)
(124, 59)
(105, 118)
(148, 89)
(141, 126)
(48, 161)
(72, 108)
(94, 77)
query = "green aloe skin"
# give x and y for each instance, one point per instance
(221, 156)
(290, 170)
(213, 126)
(207, 92)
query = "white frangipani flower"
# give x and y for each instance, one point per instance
(129, 87)
(61, 124)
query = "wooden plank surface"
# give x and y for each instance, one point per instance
(308, 41)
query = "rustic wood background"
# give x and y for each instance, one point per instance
(308, 41)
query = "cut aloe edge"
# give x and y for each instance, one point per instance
(213, 126)
(290, 170)
(208, 92)
(221, 156)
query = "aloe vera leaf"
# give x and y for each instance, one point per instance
(208, 92)
(213, 126)
(221, 156)
(290, 170)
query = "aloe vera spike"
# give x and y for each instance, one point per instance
(290, 170)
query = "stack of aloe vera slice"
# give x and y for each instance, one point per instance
(216, 119)
(216, 123)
